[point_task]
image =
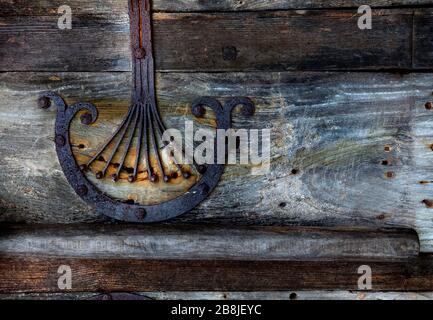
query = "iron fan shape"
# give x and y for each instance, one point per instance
(144, 124)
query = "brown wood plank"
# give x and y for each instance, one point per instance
(34, 274)
(209, 243)
(97, 7)
(277, 40)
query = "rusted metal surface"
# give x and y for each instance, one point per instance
(144, 122)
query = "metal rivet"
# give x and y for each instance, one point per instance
(82, 190)
(83, 167)
(141, 213)
(44, 102)
(198, 111)
(99, 175)
(204, 188)
(248, 111)
(131, 179)
(140, 53)
(153, 178)
(230, 53)
(60, 141)
(86, 119)
(166, 179)
(186, 175)
(201, 169)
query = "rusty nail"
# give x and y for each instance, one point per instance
(82, 190)
(381, 217)
(428, 203)
(141, 213)
(60, 141)
(140, 53)
(428, 105)
(390, 174)
(198, 111)
(86, 119)
(44, 103)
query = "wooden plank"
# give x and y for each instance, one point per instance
(97, 7)
(342, 132)
(423, 40)
(229, 296)
(34, 274)
(210, 243)
(233, 5)
(277, 40)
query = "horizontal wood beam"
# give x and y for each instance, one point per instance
(341, 132)
(35, 274)
(227, 296)
(225, 41)
(208, 243)
(97, 7)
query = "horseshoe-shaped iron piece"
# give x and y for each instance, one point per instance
(144, 122)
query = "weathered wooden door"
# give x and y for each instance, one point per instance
(350, 113)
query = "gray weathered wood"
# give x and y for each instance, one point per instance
(334, 128)
(283, 40)
(228, 296)
(198, 243)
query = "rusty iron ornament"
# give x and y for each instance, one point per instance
(144, 122)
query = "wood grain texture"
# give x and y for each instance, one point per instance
(39, 275)
(210, 243)
(423, 42)
(360, 142)
(276, 40)
(230, 296)
(97, 7)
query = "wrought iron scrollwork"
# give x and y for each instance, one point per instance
(144, 124)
